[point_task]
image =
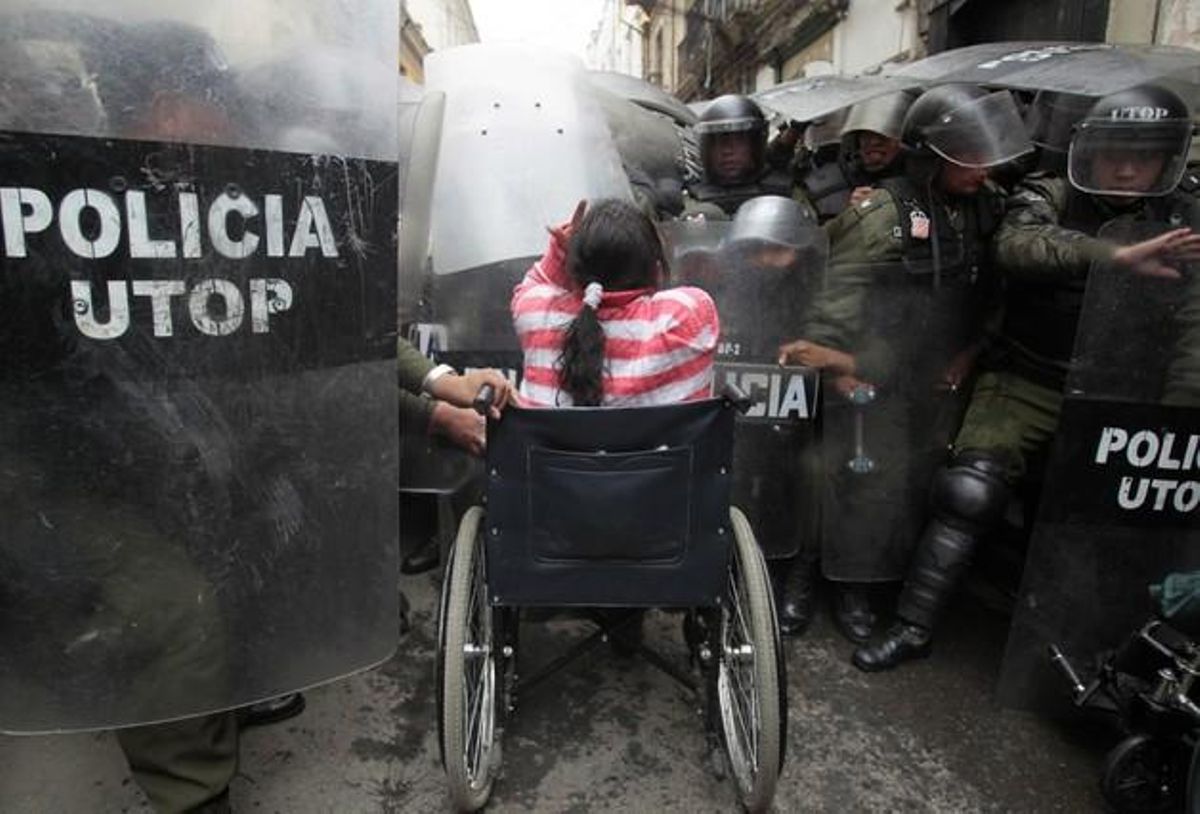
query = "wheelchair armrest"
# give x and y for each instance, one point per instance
(736, 396)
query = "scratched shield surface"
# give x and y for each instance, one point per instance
(197, 327)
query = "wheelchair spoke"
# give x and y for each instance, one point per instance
(737, 683)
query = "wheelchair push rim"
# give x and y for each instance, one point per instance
(468, 700)
(748, 674)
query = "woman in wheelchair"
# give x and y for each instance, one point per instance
(611, 508)
(595, 326)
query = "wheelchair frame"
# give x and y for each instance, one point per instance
(730, 626)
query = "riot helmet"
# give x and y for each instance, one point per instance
(733, 140)
(770, 231)
(1051, 118)
(825, 132)
(1133, 143)
(872, 129)
(966, 125)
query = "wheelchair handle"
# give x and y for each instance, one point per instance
(483, 399)
(736, 396)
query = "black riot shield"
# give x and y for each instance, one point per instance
(1119, 507)
(1083, 68)
(761, 289)
(913, 326)
(197, 353)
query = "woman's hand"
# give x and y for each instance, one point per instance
(562, 233)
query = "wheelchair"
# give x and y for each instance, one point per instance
(603, 509)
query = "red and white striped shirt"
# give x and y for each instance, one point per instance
(659, 345)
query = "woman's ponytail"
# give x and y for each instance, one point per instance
(615, 248)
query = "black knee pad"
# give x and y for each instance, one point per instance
(971, 492)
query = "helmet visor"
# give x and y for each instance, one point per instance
(740, 124)
(1129, 159)
(985, 132)
(883, 115)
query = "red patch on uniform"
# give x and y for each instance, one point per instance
(919, 226)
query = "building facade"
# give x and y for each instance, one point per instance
(617, 41)
(699, 49)
(430, 25)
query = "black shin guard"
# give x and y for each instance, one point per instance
(969, 498)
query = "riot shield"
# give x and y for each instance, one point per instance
(912, 325)
(197, 417)
(1083, 68)
(761, 289)
(1118, 506)
(523, 137)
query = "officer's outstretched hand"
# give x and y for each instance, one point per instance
(462, 390)
(810, 354)
(1159, 256)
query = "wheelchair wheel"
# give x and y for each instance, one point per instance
(468, 690)
(749, 675)
(1144, 774)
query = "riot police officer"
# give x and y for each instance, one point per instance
(1126, 160)
(867, 151)
(733, 146)
(899, 324)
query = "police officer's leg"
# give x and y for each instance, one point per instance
(184, 766)
(1007, 419)
(796, 581)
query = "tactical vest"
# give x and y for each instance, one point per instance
(828, 189)
(1040, 328)
(934, 306)
(773, 182)
(828, 185)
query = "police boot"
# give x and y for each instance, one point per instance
(852, 612)
(425, 558)
(969, 498)
(795, 601)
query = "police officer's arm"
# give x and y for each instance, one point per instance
(415, 374)
(865, 242)
(1030, 243)
(415, 413)
(412, 366)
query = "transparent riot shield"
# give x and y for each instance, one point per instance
(761, 289)
(197, 328)
(1118, 510)
(913, 326)
(523, 136)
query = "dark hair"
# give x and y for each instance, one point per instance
(617, 246)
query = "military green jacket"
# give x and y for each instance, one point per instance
(1031, 244)
(871, 250)
(412, 367)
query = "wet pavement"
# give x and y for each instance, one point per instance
(615, 735)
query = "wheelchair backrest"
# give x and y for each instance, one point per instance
(609, 506)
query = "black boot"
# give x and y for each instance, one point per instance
(903, 642)
(852, 612)
(271, 711)
(968, 498)
(795, 601)
(423, 559)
